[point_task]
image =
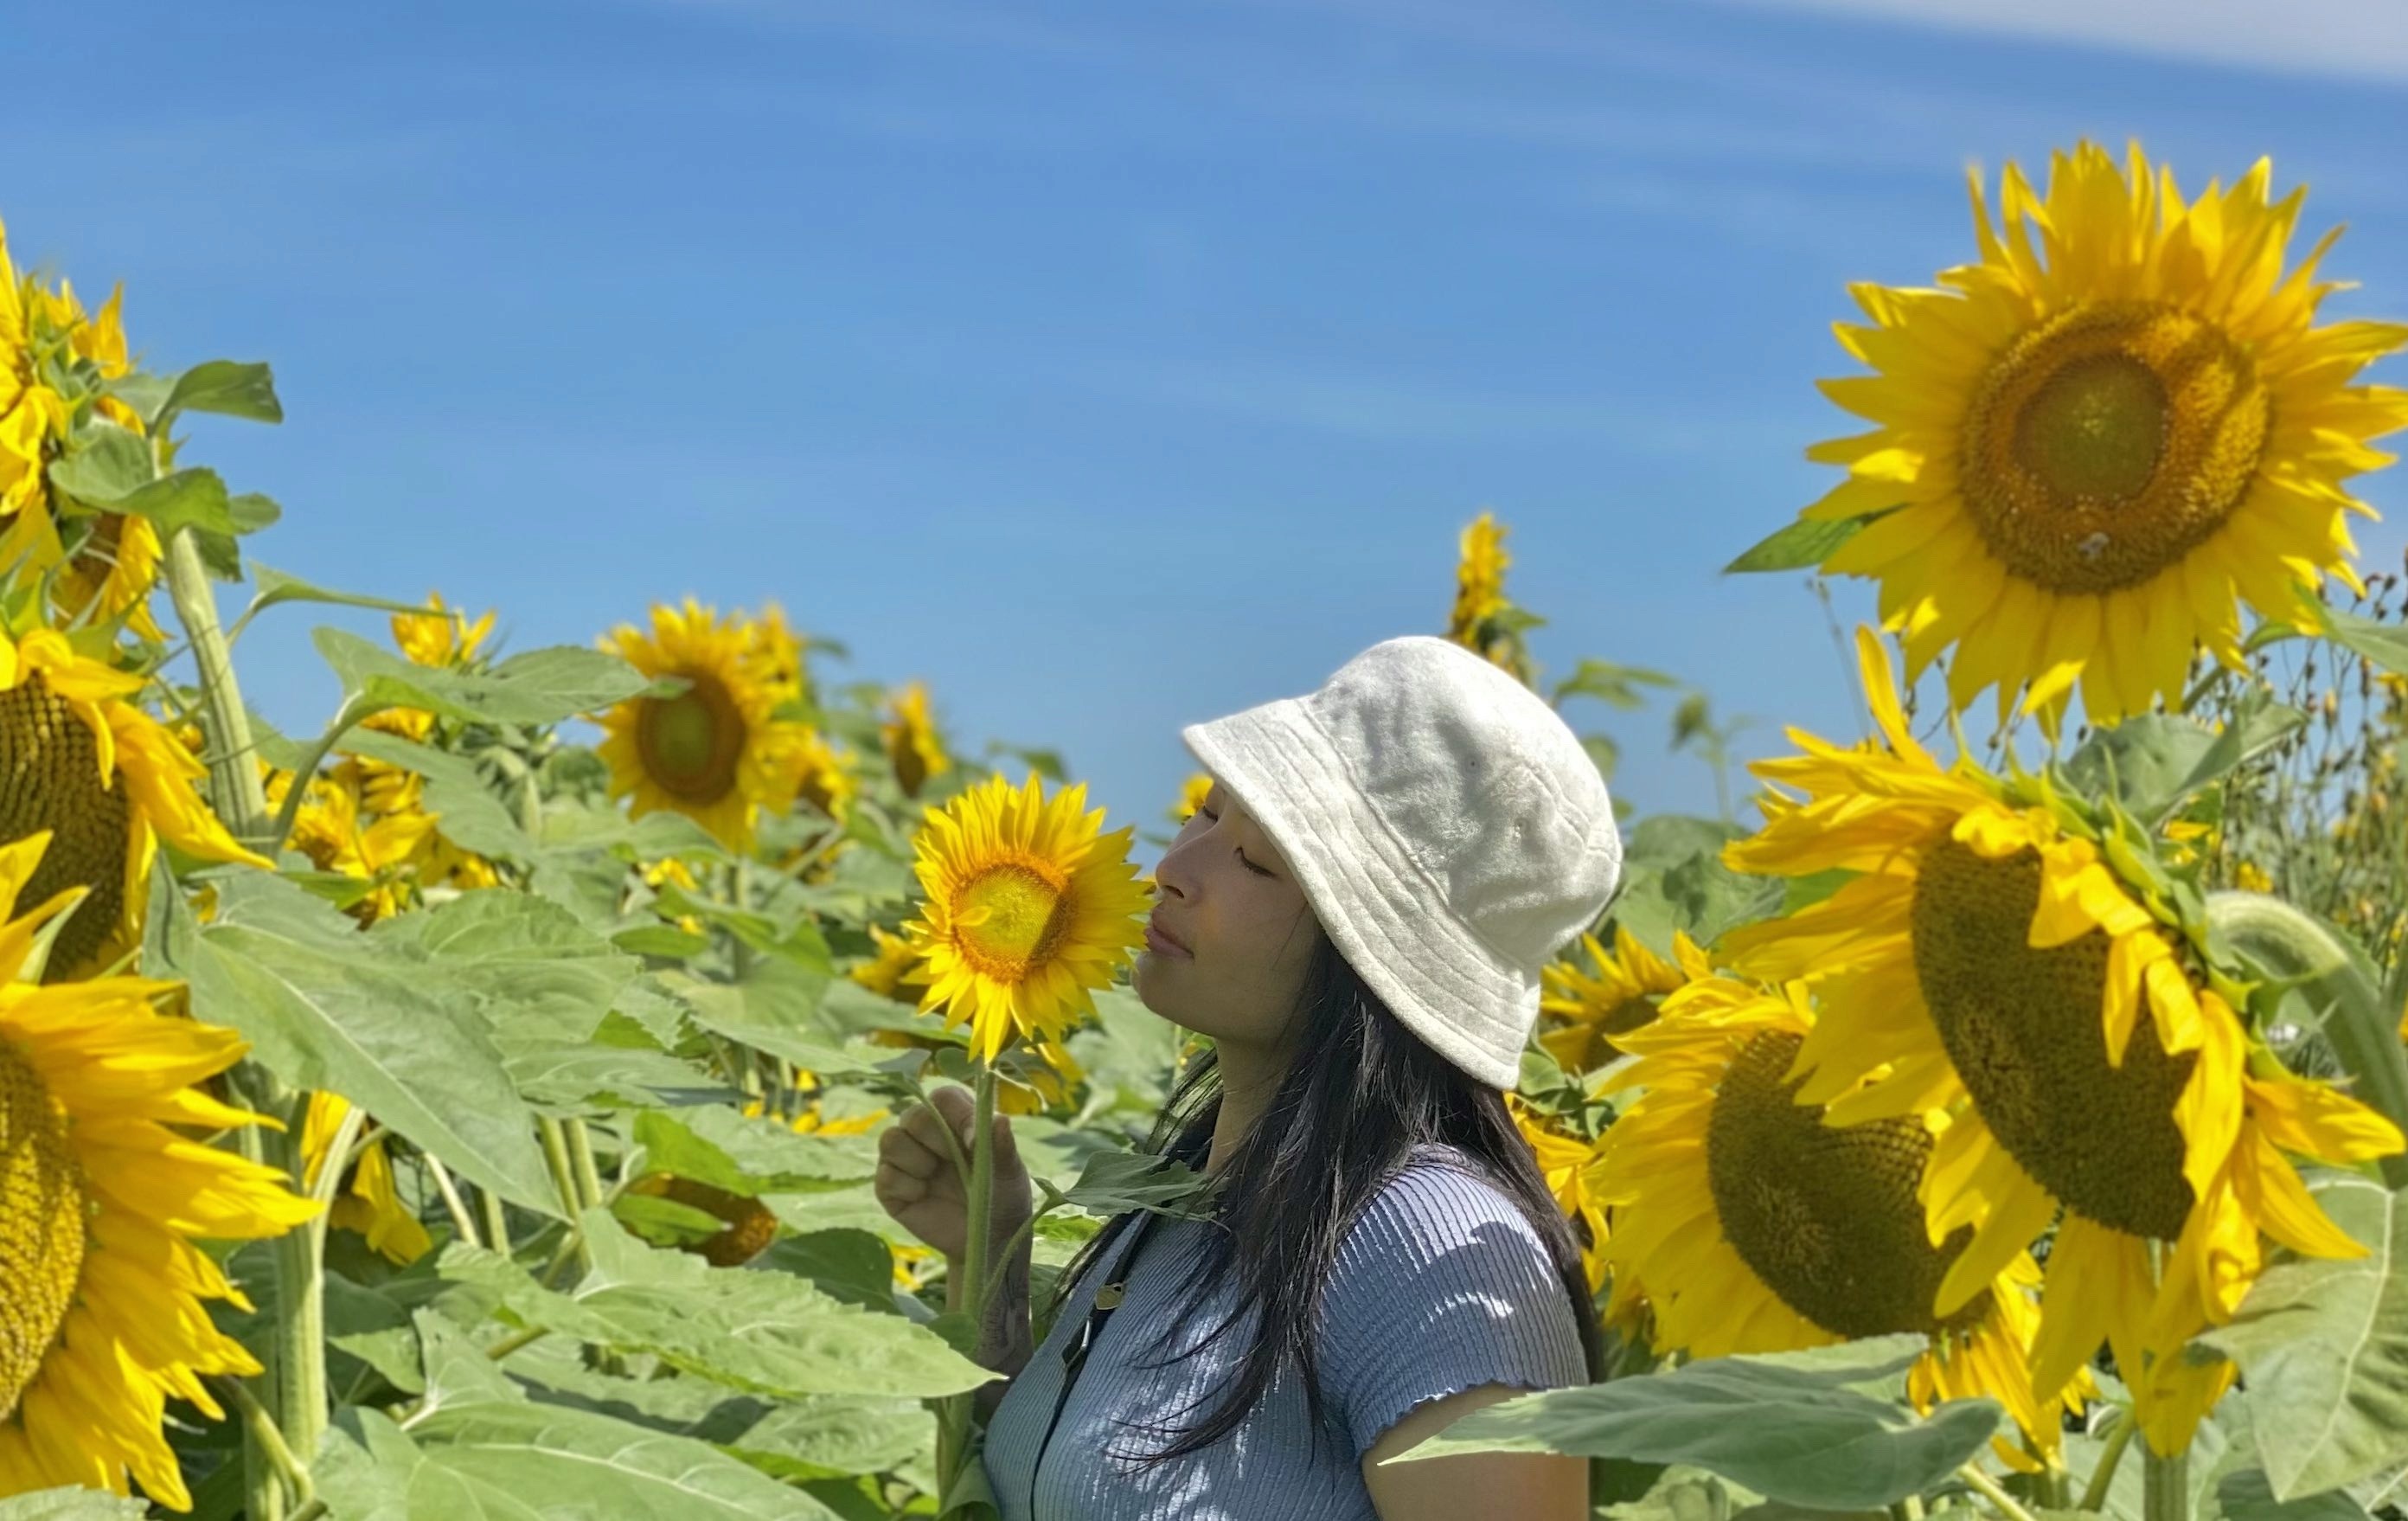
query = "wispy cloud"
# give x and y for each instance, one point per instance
(2364, 39)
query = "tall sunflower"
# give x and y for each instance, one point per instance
(1585, 1014)
(103, 1194)
(1752, 1223)
(1484, 619)
(81, 762)
(1990, 962)
(1028, 906)
(913, 746)
(2091, 442)
(712, 752)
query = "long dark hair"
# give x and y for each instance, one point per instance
(1342, 1122)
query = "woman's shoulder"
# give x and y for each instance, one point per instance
(1442, 1204)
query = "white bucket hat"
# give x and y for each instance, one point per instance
(1446, 826)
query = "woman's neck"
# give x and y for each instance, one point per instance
(1250, 1075)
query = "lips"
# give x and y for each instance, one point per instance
(1162, 942)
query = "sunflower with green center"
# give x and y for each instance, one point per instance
(712, 752)
(1752, 1223)
(1990, 963)
(1586, 1014)
(103, 1194)
(913, 746)
(81, 763)
(1028, 906)
(370, 1204)
(2091, 442)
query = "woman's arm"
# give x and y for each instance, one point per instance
(1004, 1343)
(1474, 1486)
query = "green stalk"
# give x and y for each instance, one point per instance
(1993, 1491)
(555, 1158)
(2166, 1486)
(497, 1223)
(968, 1292)
(2341, 983)
(581, 1159)
(2094, 1494)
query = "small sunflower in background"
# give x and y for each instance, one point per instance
(1028, 906)
(441, 637)
(777, 656)
(370, 1204)
(82, 765)
(1484, 619)
(104, 1192)
(1584, 1013)
(1755, 1223)
(2091, 445)
(892, 971)
(1573, 1169)
(1990, 963)
(712, 752)
(339, 834)
(913, 746)
(1192, 795)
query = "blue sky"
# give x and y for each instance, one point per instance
(1108, 366)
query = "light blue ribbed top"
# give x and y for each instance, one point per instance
(1440, 1286)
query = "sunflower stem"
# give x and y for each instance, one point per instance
(234, 788)
(347, 718)
(2094, 1494)
(461, 1219)
(300, 1301)
(2341, 984)
(257, 1422)
(2165, 1487)
(581, 1159)
(1993, 1491)
(967, 1292)
(498, 1223)
(555, 1158)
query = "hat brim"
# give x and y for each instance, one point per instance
(1380, 906)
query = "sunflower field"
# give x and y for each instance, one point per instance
(467, 1110)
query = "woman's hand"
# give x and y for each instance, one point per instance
(919, 1185)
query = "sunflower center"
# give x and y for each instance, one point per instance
(42, 1206)
(2022, 1027)
(2109, 442)
(49, 779)
(1828, 1217)
(1011, 917)
(692, 743)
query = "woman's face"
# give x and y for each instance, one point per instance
(1231, 934)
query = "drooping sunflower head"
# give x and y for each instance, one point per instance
(103, 1193)
(1755, 1223)
(1028, 906)
(1583, 1010)
(712, 752)
(1999, 958)
(82, 764)
(370, 1203)
(2102, 437)
(913, 746)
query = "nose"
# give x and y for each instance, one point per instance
(1170, 872)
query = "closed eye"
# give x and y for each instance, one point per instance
(1241, 849)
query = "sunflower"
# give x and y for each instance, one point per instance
(778, 657)
(2096, 437)
(371, 1204)
(81, 762)
(913, 746)
(747, 1225)
(102, 1195)
(440, 637)
(1573, 1169)
(712, 752)
(1590, 1013)
(1484, 619)
(1755, 1225)
(892, 972)
(339, 833)
(1028, 907)
(1990, 962)
(823, 775)
(1191, 794)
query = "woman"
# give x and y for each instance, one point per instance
(1356, 916)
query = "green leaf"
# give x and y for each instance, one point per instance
(2248, 1495)
(1797, 1429)
(716, 1145)
(194, 499)
(2154, 762)
(763, 1333)
(1802, 545)
(540, 977)
(71, 1505)
(323, 1009)
(368, 1326)
(523, 1461)
(226, 388)
(836, 1435)
(540, 686)
(2384, 645)
(849, 1265)
(1113, 1181)
(464, 808)
(2323, 1350)
(1609, 682)
(105, 464)
(775, 1009)
(274, 586)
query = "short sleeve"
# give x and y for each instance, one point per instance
(1440, 1286)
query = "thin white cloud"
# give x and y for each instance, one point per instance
(2348, 39)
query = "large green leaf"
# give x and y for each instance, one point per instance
(71, 1505)
(323, 1009)
(2152, 762)
(227, 387)
(774, 1008)
(540, 976)
(463, 807)
(2323, 1349)
(518, 1460)
(1797, 1427)
(836, 1434)
(761, 1332)
(540, 686)
(715, 1144)
(2385, 645)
